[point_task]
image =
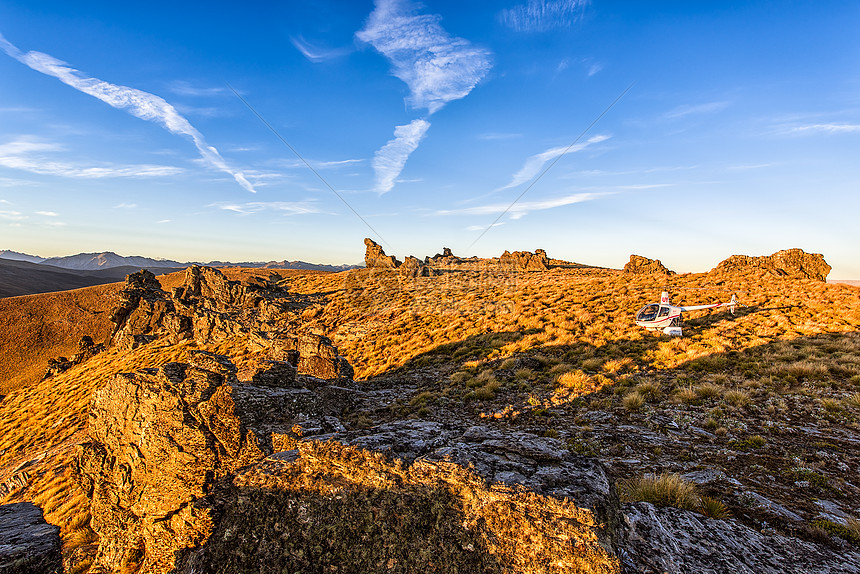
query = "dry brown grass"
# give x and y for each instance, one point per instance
(462, 326)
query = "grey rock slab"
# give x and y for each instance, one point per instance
(29, 544)
(678, 541)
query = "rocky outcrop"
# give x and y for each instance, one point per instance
(402, 498)
(413, 267)
(525, 260)
(28, 544)
(86, 350)
(447, 257)
(161, 439)
(207, 307)
(671, 540)
(643, 266)
(786, 263)
(375, 257)
(191, 470)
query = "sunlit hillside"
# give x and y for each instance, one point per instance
(770, 396)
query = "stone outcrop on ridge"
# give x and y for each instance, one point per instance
(375, 257)
(525, 260)
(644, 266)
(788, 262)
(28, 544)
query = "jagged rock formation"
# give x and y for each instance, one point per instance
(413, 267)
(208, 307)
(161, 439)
(447, 257)
(788, 262)
(86, 350)
(644, 266)
(28, 544)
(671, 540)
(375, 257)
(525, 260)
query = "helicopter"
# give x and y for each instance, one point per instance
(666, 317)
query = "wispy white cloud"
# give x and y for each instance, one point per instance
(12, 215)
(696, 109)
(543, 15)
(34, 156)
(285, 207)
(522, 208)
(138, 103)
(594, 69)
(183, 88)
(48, 213)
(482, 227)
(535, 163)
(437, 67)
(316, 53)
(125, 206)
(825, 128)
(163, 221)
(318, 164)
(491, 136)
(391, 158)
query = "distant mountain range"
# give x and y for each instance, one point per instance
(109, 260)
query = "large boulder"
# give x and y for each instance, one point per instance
(525, 260)
(786, 263)
(160, 440)
(643, 266)
(375, 257)
(28, 544)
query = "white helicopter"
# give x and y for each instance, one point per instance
(667, 317)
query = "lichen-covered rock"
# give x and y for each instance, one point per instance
(525, 260)
(672, 540)
(160, 440)
(375, 257)
(415, 496)
(788, 262)
(644, 266)
(28, 544)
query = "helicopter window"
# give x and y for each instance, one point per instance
(664, 311)
(648, 312)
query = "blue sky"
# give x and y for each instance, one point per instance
(119, 129)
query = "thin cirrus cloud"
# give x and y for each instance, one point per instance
(284, 207)
(826, 128)
(543, 15)
(33, 156)
(315, 53)
(535, 163)
(138, 103)
(390, 159)
(520, 209)
(696, 109)
(437, 67)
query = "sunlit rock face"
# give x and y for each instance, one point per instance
(643, 266)
(788, 262)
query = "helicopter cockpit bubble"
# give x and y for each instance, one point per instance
(648, 312)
